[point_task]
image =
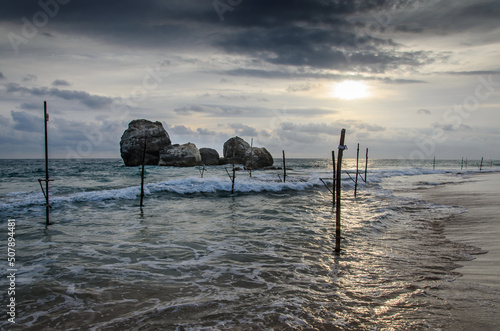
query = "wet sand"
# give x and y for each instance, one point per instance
(474, 298)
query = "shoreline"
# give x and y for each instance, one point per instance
(474, 298)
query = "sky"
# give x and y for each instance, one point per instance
(407, 79)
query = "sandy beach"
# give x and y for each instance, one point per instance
(474, 298)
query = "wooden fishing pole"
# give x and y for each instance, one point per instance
(47, 178)
(366, 164)
(251, 157)
(357, 172)
(47, 206)
(284, 167)
(142, 173)
(333, 178)
(339, 173)
(234, 167)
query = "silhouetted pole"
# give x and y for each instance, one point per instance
(434, 164)
(284, 167)
(462, 165)
(47, 204)
(251, 157)
(357, 171)
(333, 183)
(366, 164)
(339, 173)
(234, 167)
(481, 165)
(142, 173)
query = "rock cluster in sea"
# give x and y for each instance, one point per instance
(160, 151)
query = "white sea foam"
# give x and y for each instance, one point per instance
(299, 180)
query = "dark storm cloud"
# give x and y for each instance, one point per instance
(477, 15)
(89, 100)
(146, 23)
(448, 18)
(288, 74)
(318, 34)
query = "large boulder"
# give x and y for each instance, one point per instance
(209, 156)
(258, 157)
(250, 157)
(132, 142)
(186, 155)
(241, 148)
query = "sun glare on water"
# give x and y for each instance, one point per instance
(350, 90)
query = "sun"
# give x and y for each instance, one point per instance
(350, 90)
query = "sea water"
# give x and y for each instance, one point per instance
(197, 256)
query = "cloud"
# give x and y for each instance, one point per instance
(2, 76)
(473, 72)
(31, 105)
(91, 101)
(423, 111)
(243, 130)
(24, 121)
(205, 132)
(180, 130)
(321, 133)
(301, 87)
(451, 127)
(311, 128)
(408, 29)
(311, 33)
(30, 78)
(217, 110)
(61, 82)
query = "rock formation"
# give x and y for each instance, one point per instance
(209, 156)
(252, 158)
(258, 157)
(132, 142)
(186, 155)
(241, 148)
(160, 151)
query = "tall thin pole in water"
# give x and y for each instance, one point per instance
(366, 164)
(251, 157)
(357, 172)
(142, 173)
(339, 173)
(481, 165)
(434, 164)
(47, 205)
(333, 182)
(234, 167)
(284, 167)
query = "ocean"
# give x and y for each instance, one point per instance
(198, 257)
